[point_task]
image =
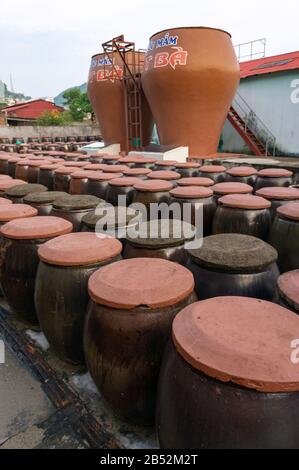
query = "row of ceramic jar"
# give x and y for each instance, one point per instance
(225, 355)
(30, 140)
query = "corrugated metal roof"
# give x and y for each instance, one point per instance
(30, 109)
(278, 63)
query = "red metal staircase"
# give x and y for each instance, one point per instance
(250, 127)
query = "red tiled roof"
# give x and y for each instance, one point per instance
(30, 109)
(278, 63)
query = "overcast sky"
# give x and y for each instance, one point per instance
(46, 45)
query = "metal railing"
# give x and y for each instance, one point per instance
(250, 50)
(254, 124)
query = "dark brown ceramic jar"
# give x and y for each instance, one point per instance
(140, 173)
(120, 191)
(166, 165)
(97, 158)
(79, 181)
(6, 184)
(233, 264)
(202, 206)
(129, 320)
(43, 202)
(21, 239)
(150, 193)
(288, 288)
(278, 196)
(171, 176)
(145, 162)
(4, 159)
(46, 174)
(284, 236)
(110, 159)
(128, 161)
(230, 358)
(273, 177)
(12, 163)
(244, 214)
(62, 178)
(187, 169)
(196, 181)
(22, 169)
(18, 192)
(66, 265)
(242, 174)
(34, 169)
(163, 239)
(216, 172)
(73, 208)
(98, 184)
(223, 189)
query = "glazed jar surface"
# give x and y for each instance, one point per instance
(73, 208)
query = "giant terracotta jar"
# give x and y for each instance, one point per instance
(106, 94)
(190, 78)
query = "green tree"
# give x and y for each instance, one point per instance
(77, 103)
(54, 118)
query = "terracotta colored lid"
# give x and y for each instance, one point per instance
(83, 201)
(242, 171)
(14, 160)
(111, 158)
(212, 169)
(137, 172)
(233, 252)
(167, 162)
(81, 174)
(4, 201)
(16, 211)
(7, 184)
(80, 249)
(51, 166)
(232, 188)
(84, 156)
(275, 173)
(279, 194)
(191, 192)
(23, 189)
(23, 162)
(245, 201)
(153, 186)
(35, 228)
(165, 175)
(196, 181)
(129, 159)
(150, 282)
(5, 178)
(94, 166)
(5, 158)
(145, 160)
(115, 217)
(35, 158)
(288, 286)
(38, 163)
(75, 164)
(45, 197)
(289, 211)
(124, 181)
(115, 168)
(161, 234)
(187, 165)
(63, 170)
(240, 340)
(104, 176)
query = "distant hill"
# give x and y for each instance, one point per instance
(59, 100)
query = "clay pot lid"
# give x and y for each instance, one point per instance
(84, 201)
(162, 234)
(124, 181)
(5, 178)
(240, 340)
(35, 228)
(289, 211)
(279, 194)
(232, 252)
(137, 172)
(38, 163)
(129, 160)
(114, 217)
(275, 173)
(104, 176)
(80, 249)
(94, 166)
(232, 188)
(5, 185)
(83, 157)
(146, 160)
(4, 201)
(166, 175)
(149, 282)
(191, 192)
(187, 165)
(167, 163)
(45, 197)
(16, 211)
(244, 201)
(81, 174)
(33, 158)
(242, 171)
(14, 160)
(196, 181)
(5, 158)
(75, 164)
(212, 169)
(63, 170)
(23, 189)
(51, 166)
(288, 286)
(153, 186)
(23, 162)
(111, 157)
(115, 168)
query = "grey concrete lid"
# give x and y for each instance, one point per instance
(22, 190)
(76, 202)
(114, 217)
(162, 234)
(44, 197)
